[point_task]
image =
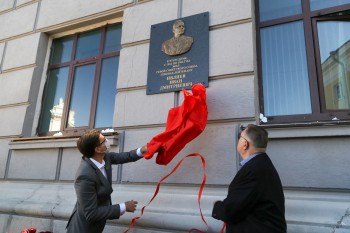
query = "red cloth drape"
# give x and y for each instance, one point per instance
(184, 123)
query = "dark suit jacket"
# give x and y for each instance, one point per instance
(255, 200)
(93, 190)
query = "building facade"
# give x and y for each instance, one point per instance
(69, 66)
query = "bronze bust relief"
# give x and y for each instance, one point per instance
(179, 43)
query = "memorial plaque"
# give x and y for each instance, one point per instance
(178, 54)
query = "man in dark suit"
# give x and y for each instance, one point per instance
(255, 199)
(93, 184)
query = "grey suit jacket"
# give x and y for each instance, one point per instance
(93, 191)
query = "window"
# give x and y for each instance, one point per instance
(304, 60)
(81, 84)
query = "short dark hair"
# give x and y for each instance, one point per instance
(88, 142)
(257, 135)
(179, 21)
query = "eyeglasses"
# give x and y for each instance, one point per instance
(103, 142)
(240, 136)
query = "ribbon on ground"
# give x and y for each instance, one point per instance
(165, 177)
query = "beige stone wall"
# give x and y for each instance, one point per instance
(27, 29)
(230, 95)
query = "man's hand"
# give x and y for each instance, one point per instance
(144, 149)
(131, 206)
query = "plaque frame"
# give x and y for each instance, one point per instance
(172, 71)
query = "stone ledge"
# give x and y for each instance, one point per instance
(51, 142)
(175, 209)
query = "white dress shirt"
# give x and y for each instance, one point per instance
(101, 166)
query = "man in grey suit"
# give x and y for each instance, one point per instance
(93, 184)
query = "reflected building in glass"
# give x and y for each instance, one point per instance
(56, 117)
(336, 78)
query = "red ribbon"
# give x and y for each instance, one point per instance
(29, 230)
(223, 228)
(165, 177)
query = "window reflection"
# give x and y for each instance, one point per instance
(107, 92)
(334, 37)
(62, 50)
(55, 93)
(113, 38)
(88, 44)
(284, 68)
(56, 116)
(273, 9)
(80, 89)
(79, 111)
(321, 4)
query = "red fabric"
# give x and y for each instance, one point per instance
(223, 228)
(30, 230)
(133, 221)
(184, 123)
